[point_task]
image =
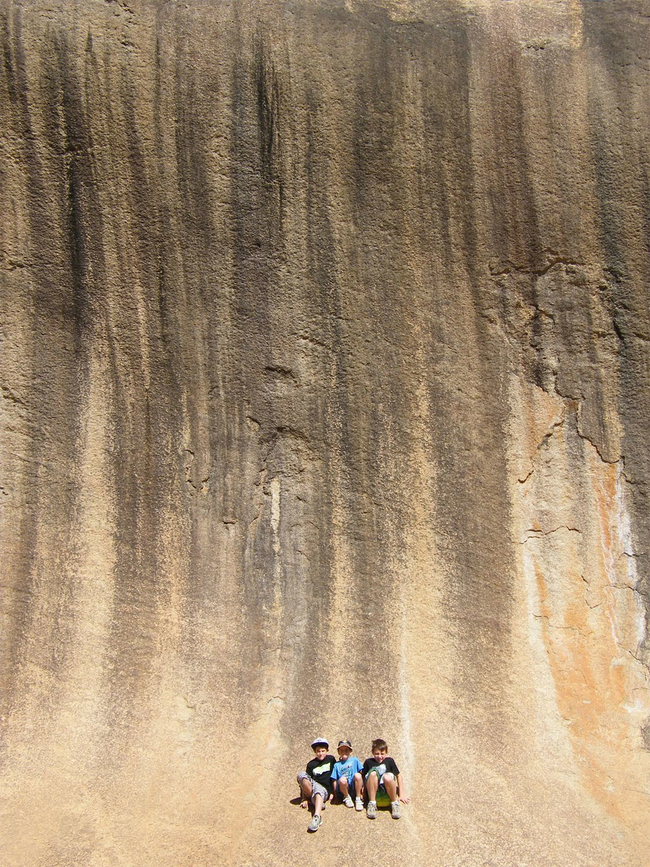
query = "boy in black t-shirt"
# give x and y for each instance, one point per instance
(382, 774)
(316, 781)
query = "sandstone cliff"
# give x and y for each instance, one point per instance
(325, 382)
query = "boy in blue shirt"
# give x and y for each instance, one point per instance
(347, 776)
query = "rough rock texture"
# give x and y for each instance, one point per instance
(325, 410)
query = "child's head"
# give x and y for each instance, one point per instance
(320, 747)
(379, 749)
(344, 750)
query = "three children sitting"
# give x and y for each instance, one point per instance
(324, 778)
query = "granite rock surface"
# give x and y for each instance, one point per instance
(325, 387)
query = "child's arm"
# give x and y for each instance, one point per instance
(402, 791)
(334, 776)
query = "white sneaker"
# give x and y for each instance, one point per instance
(371, 810)
(395, 810)
(314, 825)
(358, 804)
(348, 801)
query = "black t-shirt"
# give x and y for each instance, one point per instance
(389, 766)
(321, 771)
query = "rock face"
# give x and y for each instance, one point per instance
(325, 384)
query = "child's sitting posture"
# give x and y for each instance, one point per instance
(347, 776)
(316, 781)
(382, 774)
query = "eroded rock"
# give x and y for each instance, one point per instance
(324, 410)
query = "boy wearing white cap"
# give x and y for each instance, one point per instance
(347, 776)
(316, 781)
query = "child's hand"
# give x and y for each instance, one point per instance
(304, 804)
(405, 799)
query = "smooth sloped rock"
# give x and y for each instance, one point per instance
(325, 387)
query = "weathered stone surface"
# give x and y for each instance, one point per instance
(325, 387)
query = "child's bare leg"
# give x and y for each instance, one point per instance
(343, 787)
(390, 784)
(372, 784)
(318, 804)
(305, 792)
(358, 784)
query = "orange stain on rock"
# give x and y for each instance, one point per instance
(589, 620)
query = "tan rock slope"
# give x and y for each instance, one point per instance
(325, 381)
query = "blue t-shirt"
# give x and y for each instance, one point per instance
(348, 769)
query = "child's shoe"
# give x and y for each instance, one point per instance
(395, 810)
(348, 801)
(358, 804)
(371, 811)
(314, 825)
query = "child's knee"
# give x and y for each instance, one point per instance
(388, 778)
(358, 776)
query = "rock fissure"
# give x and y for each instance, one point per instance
(542, 445)
(11, 396)
(540, 534)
